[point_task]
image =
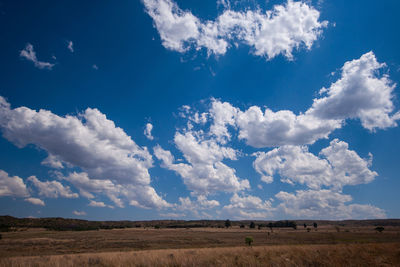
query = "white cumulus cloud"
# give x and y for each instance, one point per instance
(270, 33)
(336, 167)
(325, 204)
(12, 186)
(89, 141)
(361, 93)
(248, 207)
(204, 173)
(52, 189)
(196, 208)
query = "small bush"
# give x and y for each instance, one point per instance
(379, 229)
(249, 240)
(242, 226)
(252, 225)
(4, 228)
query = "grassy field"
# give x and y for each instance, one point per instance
(387, 254)
(326, 246)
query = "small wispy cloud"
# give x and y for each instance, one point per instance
(99, 204)
(79, 213)
(29, 54)
(70, 46)
(147, 131)
(94, 66)
(35, 201)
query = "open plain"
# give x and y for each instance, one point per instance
(327, 245)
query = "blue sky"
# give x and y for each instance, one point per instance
(179, 109)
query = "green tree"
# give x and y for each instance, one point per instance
(227, 223)
(249, 240)
(315, 225)
(252, 225)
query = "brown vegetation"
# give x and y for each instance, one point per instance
(36, 241)
(295, 255)
(352, 244)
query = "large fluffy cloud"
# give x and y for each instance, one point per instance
(89, 141)
(360, 93)
(205, 173)
(324, 204)
(337, 167)
(52, 189)
(12, 186)
(270, 33)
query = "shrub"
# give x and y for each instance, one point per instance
(308, 229)
(156, 226)
(282, 224)
(252, 225)
(379, 229)
(227, 223)
(4, 228)
(242, 226)
(249, 240)
(315, 225)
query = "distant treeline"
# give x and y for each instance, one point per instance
(281, 224)
(8, 223)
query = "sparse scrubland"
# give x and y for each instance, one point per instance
(285, 255)
(354, 243)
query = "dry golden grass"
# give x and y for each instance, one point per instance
(37, 242)
(294, 255)
(351, 246)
